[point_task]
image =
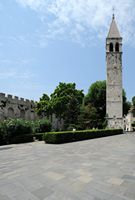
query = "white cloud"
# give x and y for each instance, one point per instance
(16, 74)
(84, 20)
(7, 75)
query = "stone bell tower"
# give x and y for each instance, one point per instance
(114, 103)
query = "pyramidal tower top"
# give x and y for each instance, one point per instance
(113, 32)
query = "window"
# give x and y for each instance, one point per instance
(117, 47)
(111, 47)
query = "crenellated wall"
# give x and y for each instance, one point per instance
(15, 107)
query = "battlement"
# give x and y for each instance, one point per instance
(15, 99)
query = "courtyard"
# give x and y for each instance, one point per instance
(97, 169)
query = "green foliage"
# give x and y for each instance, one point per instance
(96, 94)
(126, 104)
(26, 138)
(42, 125)
(20, 131)
(64, 95)
(70, 136)
(3, 133)
(88, 117)
(38, 136)
(133, 101)
(12, 128)
(78, 111)
(72, 113)
(43, 107)
(21, 139)
(96, 97)
(133, 124)
(65, 102)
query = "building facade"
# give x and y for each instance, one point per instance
(114, 104)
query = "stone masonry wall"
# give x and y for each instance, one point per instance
(15, 107)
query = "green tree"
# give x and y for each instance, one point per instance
(66, 101)
(133, 101)
(126, 104)
(97, 98)
(43, 107)
(72, 112)
(88, 117)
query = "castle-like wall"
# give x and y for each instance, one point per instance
(15, 107)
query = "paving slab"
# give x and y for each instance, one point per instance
(97, 169)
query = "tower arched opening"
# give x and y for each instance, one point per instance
(117, 47)
(111, 47)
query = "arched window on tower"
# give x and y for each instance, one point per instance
(117, 47)
(111, 47)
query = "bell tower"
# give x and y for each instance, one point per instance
(114, 102)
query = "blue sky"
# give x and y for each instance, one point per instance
(44, 42)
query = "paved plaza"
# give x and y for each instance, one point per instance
(97, 169)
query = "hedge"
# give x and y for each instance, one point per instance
(70, 136)
(26, 138)
(21, 139)
(38, 136)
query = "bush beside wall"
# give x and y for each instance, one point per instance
(42, 126)
(21, 131)
(70, 136)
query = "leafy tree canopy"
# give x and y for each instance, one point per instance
(66, 101)
(70, 104)
(97, 97)
(126, 104)
(43, 107)
(133, 101)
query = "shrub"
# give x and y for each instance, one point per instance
(21, 139)
(133, 124)
(38, 136)
(70, 136)
(42, 126)
(21, 131)
(25, 138)
(16, 127)
(12, 128)
(3, 134)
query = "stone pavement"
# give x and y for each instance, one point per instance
(98, 169)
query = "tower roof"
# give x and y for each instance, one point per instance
(113, 32)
